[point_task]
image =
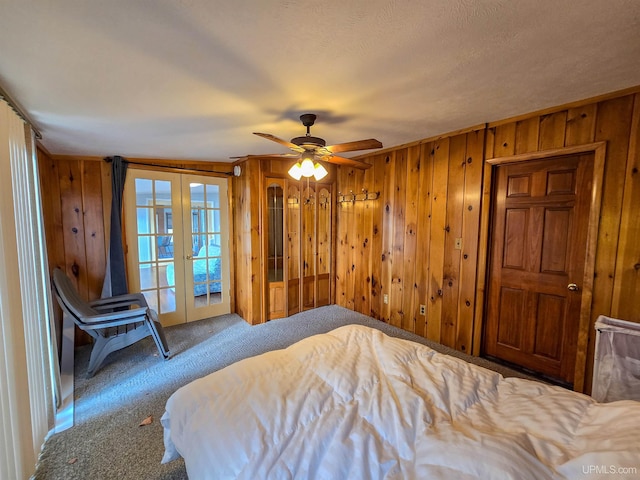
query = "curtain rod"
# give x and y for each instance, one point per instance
(19, 111)
(109, 160)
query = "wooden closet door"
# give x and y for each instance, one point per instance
(539, 240)
(309, 250)
(293, 249)
(323, 246)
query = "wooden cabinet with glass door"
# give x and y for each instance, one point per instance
(298, 246)
(275, 245)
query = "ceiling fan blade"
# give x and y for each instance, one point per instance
(352, 146)
(280, 156)
(347, 162)
(273, 138)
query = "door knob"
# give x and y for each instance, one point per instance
(189, 257)
(573, 287)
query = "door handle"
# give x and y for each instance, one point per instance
(573, 287)
(189, 257)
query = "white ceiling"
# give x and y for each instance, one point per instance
(192, 79)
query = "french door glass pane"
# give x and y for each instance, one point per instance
(213, 196)
(213, 221)
(167, 274)
(144, 189)
(152, 299)
(148, 276)
(144, 215)
(155, 243)
(205, 229)
(145, 250)
(167, 300)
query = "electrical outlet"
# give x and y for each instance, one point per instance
(385, 298)
(423, 309)
(458, 244)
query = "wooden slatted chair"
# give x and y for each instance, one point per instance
(112, 322)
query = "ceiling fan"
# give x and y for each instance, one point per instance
(309, 149)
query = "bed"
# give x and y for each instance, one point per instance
(356, 403)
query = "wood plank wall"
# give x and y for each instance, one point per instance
(404, 244)
(417, 243)
(245, 210)
(74, 192)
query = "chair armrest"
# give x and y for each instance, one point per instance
(114, 319)
(125, 300)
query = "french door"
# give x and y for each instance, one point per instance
(178, 243)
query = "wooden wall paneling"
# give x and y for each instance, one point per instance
(232, 236)
(627, 273)
(73, 232)
(423, 236)
(397, 256)
(483, 241)
(500, 143)
(51, 209)
(238, 241)
(552, 130)
(527, 132)
(504, 139)
(453, 234)
(613, 125)
(356, 271)
(52, 220)
(341, 247)
(388, 224)
(257, 313)
(363, 262)
(377, 233)
(247, 242)
(470, 238)
(409, 286)
(438, 225)
(581, 125)
(94, 239)
(350, 240)
(73, 224)
(333, 237)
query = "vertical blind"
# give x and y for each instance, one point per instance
(26, 399)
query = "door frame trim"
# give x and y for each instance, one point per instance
(599, 150)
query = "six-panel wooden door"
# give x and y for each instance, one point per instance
(538, 248)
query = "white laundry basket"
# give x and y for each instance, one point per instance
(616, 367)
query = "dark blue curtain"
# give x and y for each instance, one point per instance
(115, 280)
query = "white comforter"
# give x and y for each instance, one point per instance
(355, 403)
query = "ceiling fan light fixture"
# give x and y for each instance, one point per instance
(296, 171)
(319, 172)
(307, 168)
